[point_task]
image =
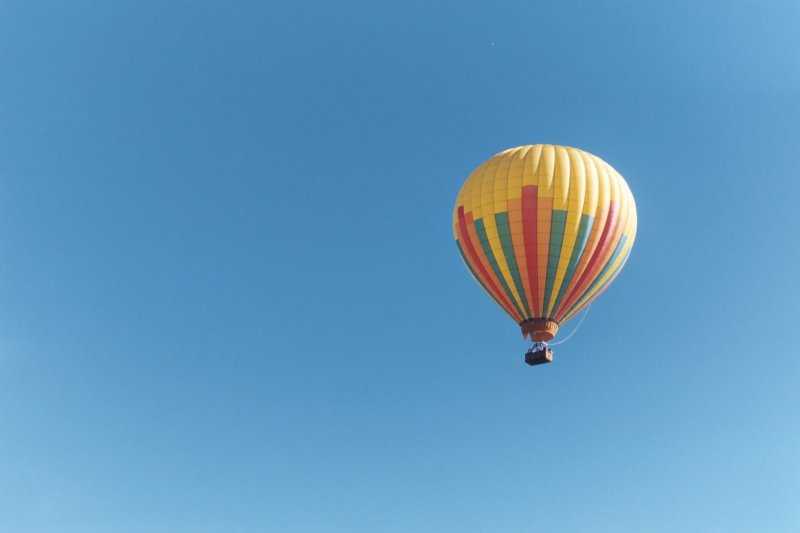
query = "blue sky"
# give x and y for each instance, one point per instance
(230, 300)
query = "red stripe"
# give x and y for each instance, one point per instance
(478, 265)
(529, 223)
(603, 289)
(599, 251)
(606, 255)
(483, 257)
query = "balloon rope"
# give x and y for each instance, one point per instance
(574, 331)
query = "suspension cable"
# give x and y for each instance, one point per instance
(574, 331)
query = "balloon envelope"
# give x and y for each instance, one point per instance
(544, 229)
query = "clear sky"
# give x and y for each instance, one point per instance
(230, 300)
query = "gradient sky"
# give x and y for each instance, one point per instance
(230, 300)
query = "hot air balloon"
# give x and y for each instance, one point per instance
(544, 230)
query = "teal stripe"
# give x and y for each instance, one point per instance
(557, 220)
(584, 228)
(602, 273)
(511, 260)
(475, 275)
(487, 249)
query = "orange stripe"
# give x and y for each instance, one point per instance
(544, 211)
(598, 224)
(608, 240)
(518, 241)
(470, 238)
(477, 267)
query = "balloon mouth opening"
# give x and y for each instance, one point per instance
(539, 329)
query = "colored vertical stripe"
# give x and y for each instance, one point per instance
(473, 235)
(577, 251)
(529, 228)
(518, 244)
(581, 304)
(599, 218)
(478, 265)
(558, 218)
(487, 250)
(600, 277)
(476, 275)
(544, 209)
(605, 268)
(591, 266)
(508, 249)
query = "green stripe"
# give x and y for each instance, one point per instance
(557, 220)
(487, 249)
(602, 273)
(475, 275)
(584, 229)
(511, 260)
